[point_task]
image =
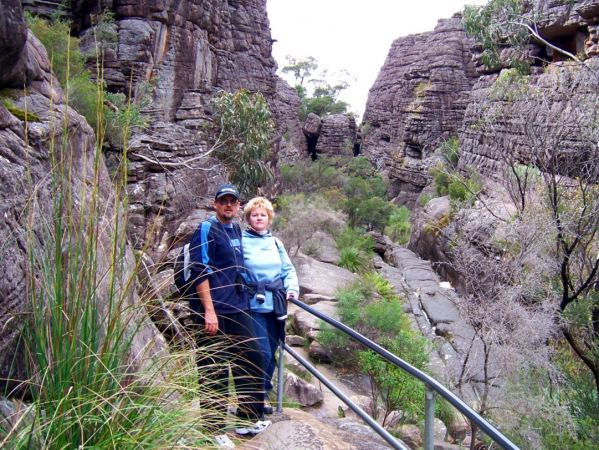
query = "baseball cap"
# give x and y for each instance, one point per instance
(226, 189)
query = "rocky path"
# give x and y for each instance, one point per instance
(319, 427)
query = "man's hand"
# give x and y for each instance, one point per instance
(210, 319)
(211, 323)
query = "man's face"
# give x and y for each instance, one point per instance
(226, 208)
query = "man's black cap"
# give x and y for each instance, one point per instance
(226, 189)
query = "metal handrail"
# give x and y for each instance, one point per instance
(432, 385)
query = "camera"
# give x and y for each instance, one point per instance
(241, 283)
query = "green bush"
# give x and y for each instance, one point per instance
(309, 176)
(380, 284)
(354, 237)
(239, 137)
(400, 225)
(63, 49)
(425, 198)
(359, 309)
(441, 179)
(354, 259)
(393, 388)
(450, 150)
(459, 188)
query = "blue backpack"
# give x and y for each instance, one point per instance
(181, 265)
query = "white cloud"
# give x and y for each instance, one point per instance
(351, 35)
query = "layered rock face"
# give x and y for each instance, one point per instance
(184, 52)
(32, 151)
(503, 123)
(333, 135)
(418, 100)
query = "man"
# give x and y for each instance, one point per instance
(222, 311)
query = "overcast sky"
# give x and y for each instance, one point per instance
(352, 35)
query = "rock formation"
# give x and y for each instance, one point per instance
(184, 52)
(433, 86)
(40, 134)
(418, 100)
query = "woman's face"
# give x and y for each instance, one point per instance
(259, 219)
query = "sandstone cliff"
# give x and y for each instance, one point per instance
(418, 100)
(433, 86)
(186, 51)
(54, 138)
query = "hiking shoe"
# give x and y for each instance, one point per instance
(258, 427)
(268, 409)
(223, 441)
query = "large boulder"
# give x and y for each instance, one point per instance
(301, 391)
(316, 277)
(305, 322)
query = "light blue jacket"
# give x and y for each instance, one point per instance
(266, 260)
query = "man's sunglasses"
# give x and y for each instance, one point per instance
(227, 201)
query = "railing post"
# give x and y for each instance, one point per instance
(429, 418)
(280, 376)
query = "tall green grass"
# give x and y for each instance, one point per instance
(99, 376)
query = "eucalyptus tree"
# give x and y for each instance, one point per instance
(239, 135)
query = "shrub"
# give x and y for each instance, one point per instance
(239, 137)
(354, 237)
(450, 150)
(112, 123)
(373, 318)
(380, 284)
(299, 217)
(354, 259)
(425, 198)
(393, 388)
(400, 225)
(309, 176)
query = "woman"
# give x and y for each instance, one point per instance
(273, 281)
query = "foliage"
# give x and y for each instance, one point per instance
(240, 135)
(500, 24)
(461, 189)
(351, 185)
(450, 150)
(359, 309)
(555, 191)
(579, 393)
(511, 24)
(324, 102)
(86, 388)
(425, 198)
(65, 58)
(324, 98)
(355, 250)
(354, 237)
(301, 69)
(391, 386)
(111, 115)
(306, 176)
(354, 259)
(365, 205)
(400, 225)
(382, 321)
(380, 284)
